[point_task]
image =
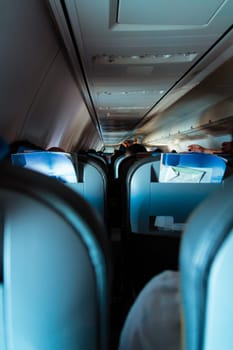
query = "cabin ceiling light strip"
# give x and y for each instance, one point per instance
(145, 59)
(102, 108)
(136, 92)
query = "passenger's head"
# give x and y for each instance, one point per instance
(153, 321)
(157, 151)
(124, 145)
(55, 149)
(135, 148)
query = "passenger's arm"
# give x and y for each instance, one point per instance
(198, 148)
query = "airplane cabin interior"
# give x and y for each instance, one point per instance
(100, 191)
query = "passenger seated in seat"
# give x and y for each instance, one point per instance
(135, 148)
(124, 145)
(153, 321)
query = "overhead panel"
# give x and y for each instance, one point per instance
(161, 12)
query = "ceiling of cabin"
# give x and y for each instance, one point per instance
(133, 56)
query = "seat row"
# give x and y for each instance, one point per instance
(144, 203)
(55, 282)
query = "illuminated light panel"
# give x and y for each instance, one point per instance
(129, 93)
(102, 108)
(145, 59)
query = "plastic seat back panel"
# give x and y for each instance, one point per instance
(44, 273)
(152, 199)
(206, 273)
(56, 266)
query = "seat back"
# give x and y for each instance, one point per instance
(83, 174)
(159, 208)
(191, 167)
(135, 187)
(100, 159)
(92, 183)
(206, 273)
(116, 165)
(55, 283)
